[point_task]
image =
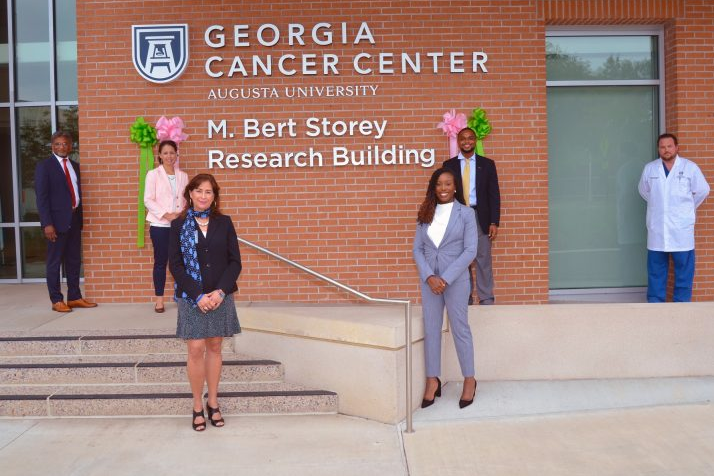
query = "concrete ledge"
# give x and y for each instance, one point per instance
(592, 341)
(372, 326)
(355, 351)
(358, 351)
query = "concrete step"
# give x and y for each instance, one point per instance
(159, 400)
(109, 358)
(87, 344)
(132, 370)
(134, 374)
(104, 388)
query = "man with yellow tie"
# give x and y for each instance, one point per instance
(477, 187)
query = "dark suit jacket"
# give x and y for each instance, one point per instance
(218, 258)
(488, 195)
(54, 200)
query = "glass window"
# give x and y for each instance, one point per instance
(66, 49)
(68, 120)
(34, 130)
(4, 56)
(7, 208)
(8, 259)
(574, 58)
(29, 142)
(34, 252)
(32, 51)
(599, 139)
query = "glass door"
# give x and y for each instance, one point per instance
(603, 121)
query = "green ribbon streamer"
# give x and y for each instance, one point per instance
(144, 135)
(481, 127)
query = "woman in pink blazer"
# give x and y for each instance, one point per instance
(164, 200)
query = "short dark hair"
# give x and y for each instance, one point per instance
(62, 133)
(465, 129)
(667, 135)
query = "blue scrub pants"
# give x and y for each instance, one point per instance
(658, 268)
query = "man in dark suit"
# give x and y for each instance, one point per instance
(59, 202)
(484, 197)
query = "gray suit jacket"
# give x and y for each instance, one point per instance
(456, 251)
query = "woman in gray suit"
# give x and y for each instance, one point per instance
(444, 246)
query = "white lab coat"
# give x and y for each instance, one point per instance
(672, 201)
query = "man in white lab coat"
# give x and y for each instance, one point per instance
(673, 188)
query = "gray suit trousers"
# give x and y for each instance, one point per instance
(455, 299)
(484, 269)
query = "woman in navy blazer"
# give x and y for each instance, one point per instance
(204, 260)
(444, 246)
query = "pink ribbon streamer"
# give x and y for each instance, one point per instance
(451, 125)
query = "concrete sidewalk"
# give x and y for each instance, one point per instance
(617, 427)
(662, 441)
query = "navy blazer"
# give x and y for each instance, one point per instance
(488, 194)
(218, 258)
(451, 259)
(54, 200)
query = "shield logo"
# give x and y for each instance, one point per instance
(160, 52)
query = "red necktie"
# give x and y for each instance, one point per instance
(69, 182)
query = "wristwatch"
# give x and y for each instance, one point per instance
(221, 293)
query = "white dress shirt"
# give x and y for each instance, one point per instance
(72, 174)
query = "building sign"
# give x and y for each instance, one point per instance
(336, 156)
(160, 52)
(324, 35)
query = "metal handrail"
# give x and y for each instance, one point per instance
(407, 314)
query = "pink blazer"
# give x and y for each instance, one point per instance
(158, 194)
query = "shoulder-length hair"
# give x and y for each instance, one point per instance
(428, 206)
(193, 184)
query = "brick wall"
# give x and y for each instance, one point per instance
(690, 100)
(354, 224)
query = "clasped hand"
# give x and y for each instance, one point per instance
(210, 301)
(437, 284)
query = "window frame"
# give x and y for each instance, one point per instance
(13, 105)
(630, 30)
(616, 294)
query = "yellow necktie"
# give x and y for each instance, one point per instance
(466, 180)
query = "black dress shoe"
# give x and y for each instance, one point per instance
(427, 403)
(465, 403)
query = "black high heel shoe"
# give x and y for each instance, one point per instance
(425, 403)
(211, 411)
(465, 403)
(198, 426)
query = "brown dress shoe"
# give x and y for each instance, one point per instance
(60, 306)
(81, 302)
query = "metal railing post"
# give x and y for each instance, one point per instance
(408, 331)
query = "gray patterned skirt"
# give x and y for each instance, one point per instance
(194, 324)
